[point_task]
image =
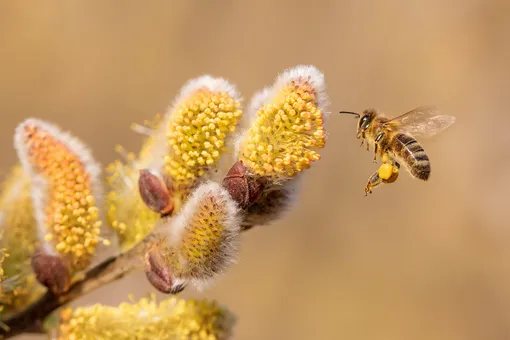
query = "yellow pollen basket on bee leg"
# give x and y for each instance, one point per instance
(386, 171)
(65, 188)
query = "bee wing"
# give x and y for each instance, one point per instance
(424, 121)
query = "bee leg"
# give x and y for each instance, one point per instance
(373, 181)
(386, 158)
(376, 145)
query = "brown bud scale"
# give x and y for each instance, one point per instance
(158, 273)
(242, 187)
(155, 193)
(51, 271)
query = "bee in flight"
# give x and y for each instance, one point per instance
(394, 141)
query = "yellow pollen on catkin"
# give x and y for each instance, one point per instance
(204, 236)
(70, 206)
(126, 212)
(148, 319)
(287, 133)
(202, 241)
(4, 296)
(196, 136)
(19, 235)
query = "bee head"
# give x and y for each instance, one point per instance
(364, 121)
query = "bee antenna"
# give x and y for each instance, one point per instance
(351, 113)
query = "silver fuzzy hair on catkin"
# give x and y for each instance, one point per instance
(213, 84)
(205, 234)
(307, 73)
(39, 185)
(300, 73)
(275, 204)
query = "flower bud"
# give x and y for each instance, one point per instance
(244, 188)
(51, 271)
(155, 193)
(159, 273)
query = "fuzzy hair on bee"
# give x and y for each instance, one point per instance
(394, 140)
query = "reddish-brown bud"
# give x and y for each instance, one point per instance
(155, 193)
(159, 274)
(51, 271)
(243, 188)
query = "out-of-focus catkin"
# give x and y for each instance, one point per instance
(18, 234)
(171, 319)
(126, 211)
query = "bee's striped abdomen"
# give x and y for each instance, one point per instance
(412, 155)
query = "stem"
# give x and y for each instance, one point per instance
(31, 319)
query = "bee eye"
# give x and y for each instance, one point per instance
(364, 122)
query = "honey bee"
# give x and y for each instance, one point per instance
(394, 141)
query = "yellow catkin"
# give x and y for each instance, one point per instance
(18, 234)
(203, 242)
(205, 235)
(127, 213)
(196, 135)
(286, 135)
(151, 144)
(4, 294)
(71, 215)
(147, 319)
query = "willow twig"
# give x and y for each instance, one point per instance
(32, 318)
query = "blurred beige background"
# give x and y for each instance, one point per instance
(414, 260)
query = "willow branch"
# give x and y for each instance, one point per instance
(31, 319)
(114, 268)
